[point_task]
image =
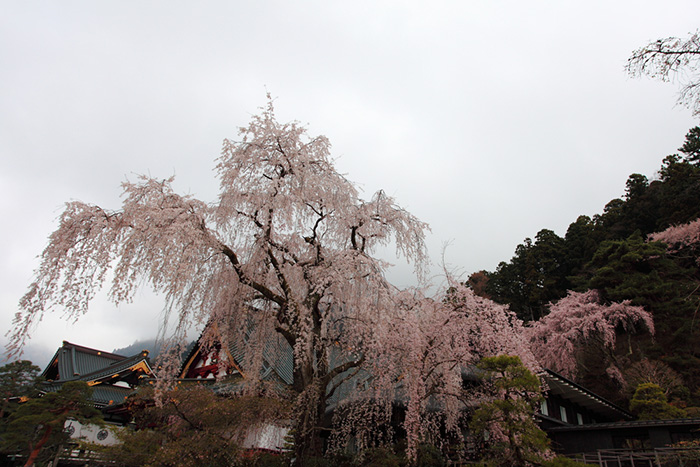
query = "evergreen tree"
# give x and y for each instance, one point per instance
(536, 275)
(192, 427)
(513, 436)
(679, 193)
(36, 428)
(17, 379)
(691, 147)
(649, 403)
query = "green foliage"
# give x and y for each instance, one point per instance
(633, 269)
(513, 436)
(649, 403)
(581, 241)
(691, 147)
(429, 456)
(264, 459)
(381, 457)
(536, 275)
(384, 456)
(644, 273)
(192, 426)
(35, 429)
(17, 379)
(679, 193)
(136, 448)
(542, 271)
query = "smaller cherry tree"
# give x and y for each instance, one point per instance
(579, 320)
(656, 372)
(420, 360)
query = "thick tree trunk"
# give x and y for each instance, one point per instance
(304, 425)
(307, 439)
(311, 406)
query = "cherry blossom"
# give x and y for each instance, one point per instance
(578, 319)
(679, 236)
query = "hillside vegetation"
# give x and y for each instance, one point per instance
(611, 252)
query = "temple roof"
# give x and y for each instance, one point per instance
(111, 376)
(278, 361)
(71, 361)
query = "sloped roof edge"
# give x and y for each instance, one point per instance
(561, 385)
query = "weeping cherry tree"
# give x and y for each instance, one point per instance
(286, 250)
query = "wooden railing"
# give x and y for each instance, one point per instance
(660, 457)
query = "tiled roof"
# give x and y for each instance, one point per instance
(71, 361)
(99, 369)
(104, 395)
(278, 358)
(115, 368)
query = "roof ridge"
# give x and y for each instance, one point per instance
(90, 350)
(119, 366)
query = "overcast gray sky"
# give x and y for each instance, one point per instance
(490, 120)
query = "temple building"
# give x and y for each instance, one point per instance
(112, 378)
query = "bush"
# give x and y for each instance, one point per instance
(429, 456)
(381, 457)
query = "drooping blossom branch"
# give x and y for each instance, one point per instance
(421, 356)
(578, 319)
(672, 59)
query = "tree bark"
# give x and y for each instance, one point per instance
(37, 449)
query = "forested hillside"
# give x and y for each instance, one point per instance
(611, 252)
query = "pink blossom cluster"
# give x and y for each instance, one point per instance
(679, 236)
(578, 319)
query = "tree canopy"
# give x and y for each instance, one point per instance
(17, 379)
(578, 320)
(191, 426)
(642, 249)
(649, 403)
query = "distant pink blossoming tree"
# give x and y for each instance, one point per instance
(580, 319)
(681, 236)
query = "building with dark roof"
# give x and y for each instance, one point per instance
(112, 377)
(570, 404)
(203, 363)
(578, 421)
